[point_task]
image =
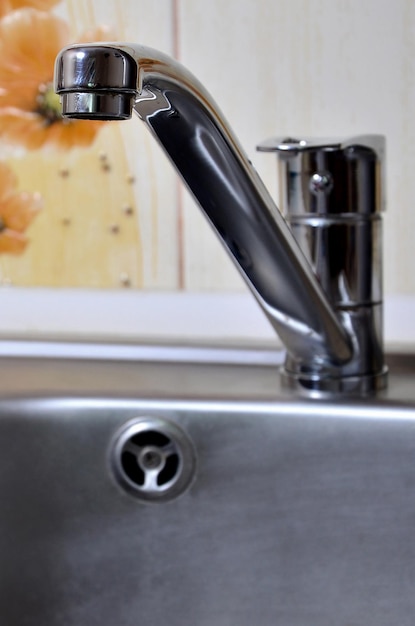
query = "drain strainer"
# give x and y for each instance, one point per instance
(153, 459)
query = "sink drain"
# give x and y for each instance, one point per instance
(153, 459)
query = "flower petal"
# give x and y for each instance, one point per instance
(29, 43)
(8, 183)
(6, 6)
(12, 242)
(20, 209)
(21, 127)
(29, 130)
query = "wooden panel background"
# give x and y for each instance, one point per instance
(312, 67)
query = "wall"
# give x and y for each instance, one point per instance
(298, 67)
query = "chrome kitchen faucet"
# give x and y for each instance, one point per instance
(317, 276)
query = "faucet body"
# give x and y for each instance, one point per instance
(332, 196)
(327, 350)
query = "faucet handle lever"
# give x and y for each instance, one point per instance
(320, 176)
(291, 144)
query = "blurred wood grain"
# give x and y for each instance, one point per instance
(311, 67)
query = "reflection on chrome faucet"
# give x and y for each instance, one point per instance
(333, 344)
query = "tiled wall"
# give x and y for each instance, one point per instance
(115, 214)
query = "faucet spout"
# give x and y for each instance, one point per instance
(109, 81)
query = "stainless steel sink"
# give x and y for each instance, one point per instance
(159, 486)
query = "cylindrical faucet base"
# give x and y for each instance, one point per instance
(331, 194)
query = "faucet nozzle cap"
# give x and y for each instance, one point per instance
(103, 106)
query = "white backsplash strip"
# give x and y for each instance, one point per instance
(142, 352)
(170, 317)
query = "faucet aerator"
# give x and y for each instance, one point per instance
(95, 105)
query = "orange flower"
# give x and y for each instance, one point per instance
(30, 112)
(6, 6)
(17, 210)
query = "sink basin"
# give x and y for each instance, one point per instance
(153, 485)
